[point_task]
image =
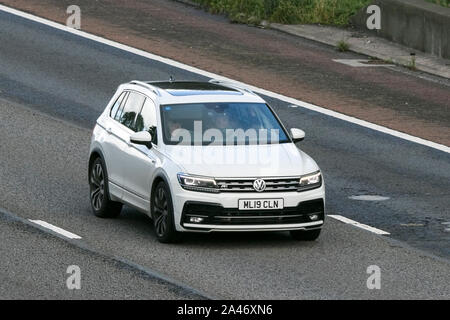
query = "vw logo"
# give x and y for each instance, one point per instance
(259, 185)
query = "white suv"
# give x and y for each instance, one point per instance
(203, 157)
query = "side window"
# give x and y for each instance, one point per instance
(146, 120)
(117, 105)
(132, 108)
(122, 105)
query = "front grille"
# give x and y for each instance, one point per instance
(218, 215)
(246, 185)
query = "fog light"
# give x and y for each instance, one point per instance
(196, 219)
(314, 217)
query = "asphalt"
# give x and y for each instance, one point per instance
(395, 97)
(54, 85)
(36, 265)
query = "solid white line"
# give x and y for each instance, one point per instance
(176, 64)
(357, 224)
(56, 229)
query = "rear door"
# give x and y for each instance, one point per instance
(112, 145)
(122, 126)
(140, 161)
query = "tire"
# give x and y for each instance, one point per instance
(162, 215)
(302, 235)
(101, 204)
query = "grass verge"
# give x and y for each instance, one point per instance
(342, 46)
(444, 3)
(330, 12)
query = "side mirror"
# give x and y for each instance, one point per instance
(297, 135)
(142, 137)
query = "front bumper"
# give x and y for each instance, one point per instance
(220, 211)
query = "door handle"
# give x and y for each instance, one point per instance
(108, 130)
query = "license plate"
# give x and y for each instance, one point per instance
(261, 204)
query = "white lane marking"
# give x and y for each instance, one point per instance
(56, 229)
(361, 63)
(186, 67)
(447, 229)
(357, 224)
(369, 198)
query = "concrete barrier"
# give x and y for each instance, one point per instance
(415, 23)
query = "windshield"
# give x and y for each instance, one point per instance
(221, 124)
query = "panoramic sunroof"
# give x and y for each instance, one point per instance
(185, 88)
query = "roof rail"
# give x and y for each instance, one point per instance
(146, 85)
(231, 85)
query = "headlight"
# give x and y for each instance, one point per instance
(310, 181)
(196, 183)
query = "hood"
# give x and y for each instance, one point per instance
(242, 161)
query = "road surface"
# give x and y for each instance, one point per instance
(53, 86)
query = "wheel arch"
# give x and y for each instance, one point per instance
(159, 176)
(96, 153)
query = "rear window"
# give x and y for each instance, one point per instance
(117, 105)
(132, 108)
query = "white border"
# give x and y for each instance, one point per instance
(176, 64)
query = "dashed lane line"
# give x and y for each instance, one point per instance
(56, 229)
(357, 224)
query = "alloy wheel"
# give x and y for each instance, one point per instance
(161, 212)
(97, 186)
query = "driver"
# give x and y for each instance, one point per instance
(223, 121)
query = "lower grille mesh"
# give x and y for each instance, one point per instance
(218, 215)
